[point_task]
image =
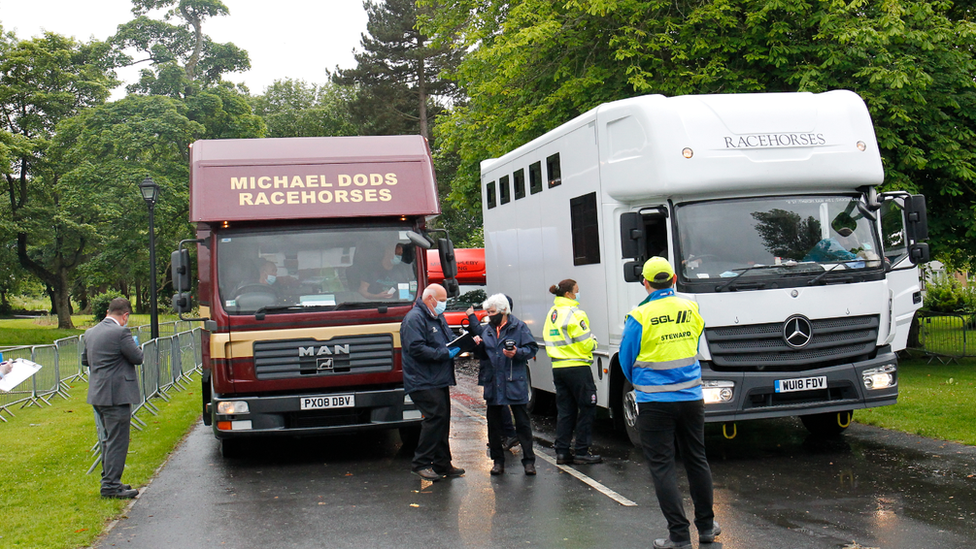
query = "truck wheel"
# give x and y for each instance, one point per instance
(829, 424)
(628, 405)
(410, 436)
(231, 448)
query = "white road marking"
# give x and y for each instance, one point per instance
(565, 468)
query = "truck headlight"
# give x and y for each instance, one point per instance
(232, 407)
(717, 391)
(881, 377)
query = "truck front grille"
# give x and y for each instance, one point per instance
(344, 355)
(763, 347)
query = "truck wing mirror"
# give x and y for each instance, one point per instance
(452, 287)
(633, 271)
(916, 221)
(419, 239)
(445, 249)
(919, 253)
(180, 261)
(182, 302)
(631, 235)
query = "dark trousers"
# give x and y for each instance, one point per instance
(433, 447)
(575, 408)
(508, 428)
(112, 425)
(660, 424)
(523, 430)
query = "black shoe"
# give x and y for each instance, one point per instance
(666, 543)
(708, 536)
(121, 494)
(452, 472)
(564, 459)
(529, 469)
(427, 473)
(509, 442)
(498, 468)
(587, 459)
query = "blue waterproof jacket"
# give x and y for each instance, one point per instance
(426, 362)
(506, 379)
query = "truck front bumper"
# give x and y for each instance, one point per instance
(313, 413)
(755, 395)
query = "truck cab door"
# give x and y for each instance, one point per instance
(904, 286)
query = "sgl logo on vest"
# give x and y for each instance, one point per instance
(664, 319)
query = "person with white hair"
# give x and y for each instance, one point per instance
(506, 345)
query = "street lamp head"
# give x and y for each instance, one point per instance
(149, 190)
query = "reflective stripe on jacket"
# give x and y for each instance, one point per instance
(567, 335)
(659, 348)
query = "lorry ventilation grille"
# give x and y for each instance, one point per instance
(289, 358)
(762, 347)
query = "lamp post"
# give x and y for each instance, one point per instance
(150, 191)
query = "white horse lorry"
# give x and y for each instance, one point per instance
(766, 206)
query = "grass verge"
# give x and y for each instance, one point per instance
(48, 500)
(44, 331)
(934, 400)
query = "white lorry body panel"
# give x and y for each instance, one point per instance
(653, 152)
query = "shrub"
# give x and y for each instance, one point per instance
(99, 304)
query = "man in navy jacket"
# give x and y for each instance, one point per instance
(428, 373)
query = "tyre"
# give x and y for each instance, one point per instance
(827, 425)
(628, 405)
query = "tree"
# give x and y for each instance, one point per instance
(182, 58)
(398, 72)
(42, 82)
(533, 65)
(294, 108)
(105, 152)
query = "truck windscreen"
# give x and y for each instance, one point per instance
(751, 239)
(315, 268)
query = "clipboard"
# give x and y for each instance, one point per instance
(465, 342)
(22, 370)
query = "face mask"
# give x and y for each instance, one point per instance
(577, 294)
(271, 279)
(495, 319)
(396, 260)
(440, 307)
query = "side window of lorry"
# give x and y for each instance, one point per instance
(503, 191)
(554, 171)
(518, 179)
(586, 229)
(490, 195)
(535, 177)
(893, 236)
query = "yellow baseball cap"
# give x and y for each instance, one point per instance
(657, 269)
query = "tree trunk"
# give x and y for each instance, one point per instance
(62, 293)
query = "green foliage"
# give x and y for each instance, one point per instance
(399, 73)
(44, 81)
(532, 65)
(294, 108)
(99, 304)
(183, 59)
(945, 294)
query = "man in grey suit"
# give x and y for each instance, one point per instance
(113, 387)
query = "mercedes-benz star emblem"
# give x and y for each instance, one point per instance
(797, 331)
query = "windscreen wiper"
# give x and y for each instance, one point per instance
(820, 276)
(744, 271)
(259, 314)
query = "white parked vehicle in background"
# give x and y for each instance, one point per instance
(765, 204)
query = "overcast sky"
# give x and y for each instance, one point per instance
(284, 38)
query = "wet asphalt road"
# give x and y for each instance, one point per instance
(775, 488)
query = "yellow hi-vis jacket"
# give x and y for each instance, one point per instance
(567, 335)
(659, 349)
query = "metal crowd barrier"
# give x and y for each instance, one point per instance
(945, 336)
(168, 363)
